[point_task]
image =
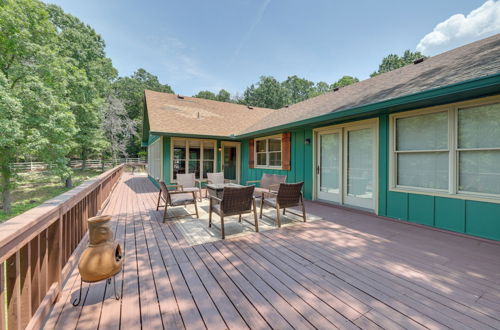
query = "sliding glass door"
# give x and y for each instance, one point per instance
(329, 165)
(346, 164)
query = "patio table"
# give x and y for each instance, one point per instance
(217, 189)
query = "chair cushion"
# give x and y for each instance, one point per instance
(181, 199)
(191, 189)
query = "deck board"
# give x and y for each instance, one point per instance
(350, 270)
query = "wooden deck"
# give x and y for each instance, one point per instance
(351, 270)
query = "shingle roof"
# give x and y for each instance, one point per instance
(474, 60)
(189, 115)
(167, 113)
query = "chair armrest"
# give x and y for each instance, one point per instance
(216, 198)
(228, 181)
(253, 181)
(274, 193)
(176, 192)
(173, 185)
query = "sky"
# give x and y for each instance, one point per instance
(195, 45)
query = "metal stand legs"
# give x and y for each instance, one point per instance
(77, 301)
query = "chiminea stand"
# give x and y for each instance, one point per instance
(102, 259)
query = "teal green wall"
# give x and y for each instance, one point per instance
(462, 216)
(301, 156)
(458, 215)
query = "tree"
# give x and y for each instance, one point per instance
(117, 126)
(208, 95)
(224, 96)
(321, 87)
(130, 90)
(89, 83)
(267, 93)
(297, 89)
(33, 86)
(344, 81)
(393, 61)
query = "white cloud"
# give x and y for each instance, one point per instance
(459, 30)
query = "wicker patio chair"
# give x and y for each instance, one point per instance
(188, 183)
(234, 201)
(268, 183)
(217, 178)
(288, 195)
(175, 198)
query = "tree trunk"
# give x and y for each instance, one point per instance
(5, 188)
(69, 182)
(84, 160)
(102, 164)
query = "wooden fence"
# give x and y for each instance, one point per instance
(77, 163)
(36, 250)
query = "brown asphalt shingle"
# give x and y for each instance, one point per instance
(169, 114)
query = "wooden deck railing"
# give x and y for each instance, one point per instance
(36, 250)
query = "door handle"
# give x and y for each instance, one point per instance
(317, 169)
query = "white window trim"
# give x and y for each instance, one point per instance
(453, 151)
(277, 136)
(172, 142)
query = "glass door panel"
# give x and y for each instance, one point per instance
(329, 166)
(230, 163)
(359, 176)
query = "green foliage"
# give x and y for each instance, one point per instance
(206, 95)
(90, 77)
(297, 89)
(344, 81)
(130, 90)
(393, 61)
(222, 96)
(267, 93)
(35, 80)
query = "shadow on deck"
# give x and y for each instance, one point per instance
(349, 270)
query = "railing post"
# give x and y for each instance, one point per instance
(55, 252)
(25, 284)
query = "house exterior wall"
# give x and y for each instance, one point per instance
(301, 155)
(457, 214)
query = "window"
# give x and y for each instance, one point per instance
(478, 149)
(422, 151)
(192, 156)
(268, 152)
(154, 159)
(454, 150)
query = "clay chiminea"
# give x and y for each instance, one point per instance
(102, 259)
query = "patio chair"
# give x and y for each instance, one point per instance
(288, 195)
(188, 183)
(217, 178)
(268, 183)
(175, 198)
(234, 201)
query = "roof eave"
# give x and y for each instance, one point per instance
(466, 89)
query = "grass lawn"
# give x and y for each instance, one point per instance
(34, 188)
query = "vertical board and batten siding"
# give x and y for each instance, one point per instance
(464, 216)
(470, 217)
(301, 156)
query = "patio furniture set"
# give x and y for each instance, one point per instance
(227, 198)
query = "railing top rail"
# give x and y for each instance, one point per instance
(17, 231)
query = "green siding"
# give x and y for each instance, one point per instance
(166, 159)
(300, 159)
(383, 169)
(421, 209)
(450, 214)
(397, 205)
(483, 219)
